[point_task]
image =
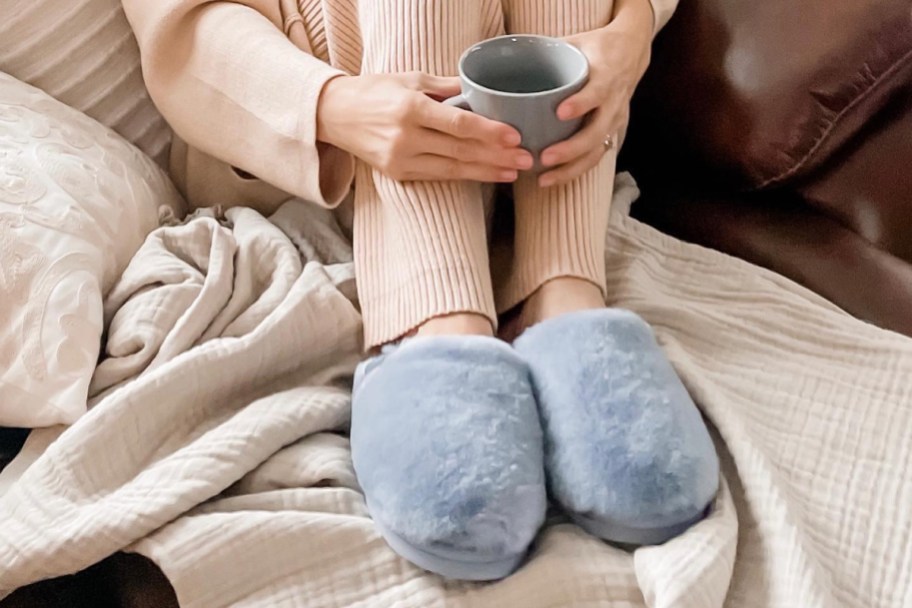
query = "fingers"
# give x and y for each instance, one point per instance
(474, 151)
(438, 86)
(571, 158)
(589, 98)
(466, 125)
(572, 170)
(440, 168)
(591, 136)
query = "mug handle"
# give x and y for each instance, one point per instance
(458, 102)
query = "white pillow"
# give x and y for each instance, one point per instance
(83, 52)
(76, 202)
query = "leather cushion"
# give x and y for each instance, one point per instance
(768, 90)
(868, 185)
(11, 441)
(775, 231)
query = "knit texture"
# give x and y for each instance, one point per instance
(232, 80)
(421, 248)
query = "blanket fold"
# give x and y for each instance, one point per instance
(216, 443)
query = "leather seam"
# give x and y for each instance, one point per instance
(884, 77)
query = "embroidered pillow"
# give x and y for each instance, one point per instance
(76, 202)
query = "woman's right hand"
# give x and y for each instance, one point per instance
(393, 123)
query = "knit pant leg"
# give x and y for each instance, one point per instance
(559, 231)
(420, 247)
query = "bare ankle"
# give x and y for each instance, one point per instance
(561, 296)
(458, 324)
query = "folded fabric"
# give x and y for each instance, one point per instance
(626, 450)
(447, 447)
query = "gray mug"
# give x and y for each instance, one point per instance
(520, 80)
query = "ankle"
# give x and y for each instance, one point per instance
(558, 297)
(458, 324)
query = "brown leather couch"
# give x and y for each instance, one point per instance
(781, 132)
(774, 130)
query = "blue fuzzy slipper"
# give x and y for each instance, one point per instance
(626, 450)
(447, 446)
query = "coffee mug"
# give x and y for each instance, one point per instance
(520, 80)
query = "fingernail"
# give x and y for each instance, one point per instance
(524, 161)
(548, 159)
(564, 112)
(509, 176)
(546, 182)
(513, 139)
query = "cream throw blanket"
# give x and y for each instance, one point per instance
(216, 446)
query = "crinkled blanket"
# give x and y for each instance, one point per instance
(216, 442)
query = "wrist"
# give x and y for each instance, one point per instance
(637, 17)
(328, 106)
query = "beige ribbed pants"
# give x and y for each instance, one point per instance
(422, 248)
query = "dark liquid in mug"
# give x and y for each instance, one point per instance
(533, 79)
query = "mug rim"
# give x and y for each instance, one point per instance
(582, 76)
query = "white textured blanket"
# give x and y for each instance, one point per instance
(216, 446)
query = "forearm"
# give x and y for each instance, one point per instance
(232, 85)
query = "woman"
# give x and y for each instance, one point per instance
(453, 430)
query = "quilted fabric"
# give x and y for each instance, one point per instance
(217, 446)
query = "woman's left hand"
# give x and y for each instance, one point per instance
(618, 55)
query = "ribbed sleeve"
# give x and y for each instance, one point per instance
(420, 247)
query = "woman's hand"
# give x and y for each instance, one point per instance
(393, 123)
(618, 56)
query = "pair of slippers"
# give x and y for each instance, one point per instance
(453, 439)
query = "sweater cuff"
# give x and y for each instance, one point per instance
(236, 88)
(326, 172)
(302, 166)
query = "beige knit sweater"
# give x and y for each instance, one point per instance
(232, 80)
